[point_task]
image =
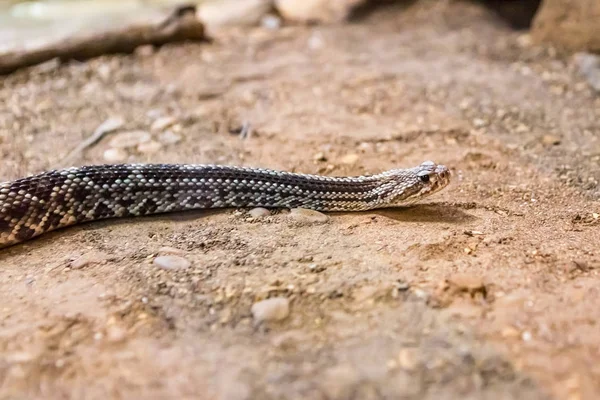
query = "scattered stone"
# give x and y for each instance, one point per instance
(320, 156)
(162, 123)
(171, 262)
(115, 155)
(272, 22)
(86, 260)
(349, 159)
(129, 139)
(273, 309)
(316, 268)
(151, 147)
(322, 11)
(308, 216)
(479, 123)
(169, 137)
(550, 140)
(233, 12)
(589, 67)
(259, 212)
(473, 233)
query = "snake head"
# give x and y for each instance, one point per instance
(413, 184)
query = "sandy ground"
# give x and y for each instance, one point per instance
(488, 290)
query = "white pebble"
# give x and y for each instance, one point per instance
(273, 309)
(171, 262)
(308, 216)
(271, 22)
(115, 155)
(162, 123)
(259, 212)
(350, 159)
(129, 139)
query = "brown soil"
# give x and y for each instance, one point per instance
(486, 291)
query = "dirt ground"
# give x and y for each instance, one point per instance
(486, 291)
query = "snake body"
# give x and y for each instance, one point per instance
(41, 203)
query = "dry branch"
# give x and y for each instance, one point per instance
(178, 25)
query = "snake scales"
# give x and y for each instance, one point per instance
(41, 203)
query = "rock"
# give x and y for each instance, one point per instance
(322, 11)
(308, 216)
(162, 123)
(151, 147)
(550, 140)
(589, 67)
(115, 155)
(273, 309)
(129, 139)
(569, 24)
(320, 156)
(259, 212)
(169, 137)
(349, 159)
(171, 262)
(271, 22)
(233, 12)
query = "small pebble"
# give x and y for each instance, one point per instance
(589, 67)
(171, 262)
(115, 155)
(151, 147)
(272, 22)
(551, 140)
(273, 309)
(320, 156)
(259, 212)
(308, 216)
(169, 137)
(162, 123)
(349, 159)
(129, 139)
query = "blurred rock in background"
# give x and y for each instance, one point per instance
(569, 24)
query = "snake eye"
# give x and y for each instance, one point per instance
(424, 178)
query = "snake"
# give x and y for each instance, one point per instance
(37, 204)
